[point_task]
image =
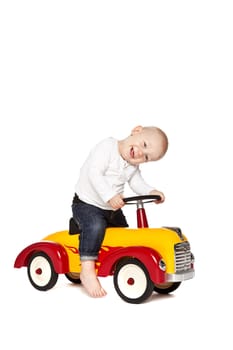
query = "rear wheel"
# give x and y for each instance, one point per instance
(41, 272)
(73, 277)
(132, 281)
(166, 288)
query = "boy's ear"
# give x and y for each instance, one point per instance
(136, 129)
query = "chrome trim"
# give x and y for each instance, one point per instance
(179, 277)
(140, 204)
(183, 259)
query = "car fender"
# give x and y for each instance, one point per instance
(109, 256)
(55, 251)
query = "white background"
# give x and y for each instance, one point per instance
(74, 72)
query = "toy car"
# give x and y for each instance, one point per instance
(141, 260)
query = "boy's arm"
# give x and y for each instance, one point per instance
(140, 187)
(158, 193)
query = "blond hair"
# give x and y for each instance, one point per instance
(158, 132)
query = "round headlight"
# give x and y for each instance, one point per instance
(162, 265)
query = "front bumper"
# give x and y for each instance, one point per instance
(181, 276)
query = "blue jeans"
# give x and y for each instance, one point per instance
(92, 222)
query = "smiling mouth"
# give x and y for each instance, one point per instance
(131, 152)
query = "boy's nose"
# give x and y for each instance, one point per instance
(139, 153)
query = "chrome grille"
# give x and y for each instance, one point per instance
(182, 257)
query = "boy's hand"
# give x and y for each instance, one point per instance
(158, 193)
(116, 202)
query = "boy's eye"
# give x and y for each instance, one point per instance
(146, 157)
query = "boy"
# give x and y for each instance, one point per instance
(99, 191)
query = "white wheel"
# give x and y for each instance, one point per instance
(41, 272)
(132, 281)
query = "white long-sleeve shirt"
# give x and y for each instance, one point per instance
(104, 174)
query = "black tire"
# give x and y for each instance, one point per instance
(166, 288)
(73, 277)
(41, 272)
(132, 281)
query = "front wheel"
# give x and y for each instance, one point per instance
(166, 288)
(132, 281)
(41, 272)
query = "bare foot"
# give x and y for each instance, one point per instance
(90, 281)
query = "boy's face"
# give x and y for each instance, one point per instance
(143, 146)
